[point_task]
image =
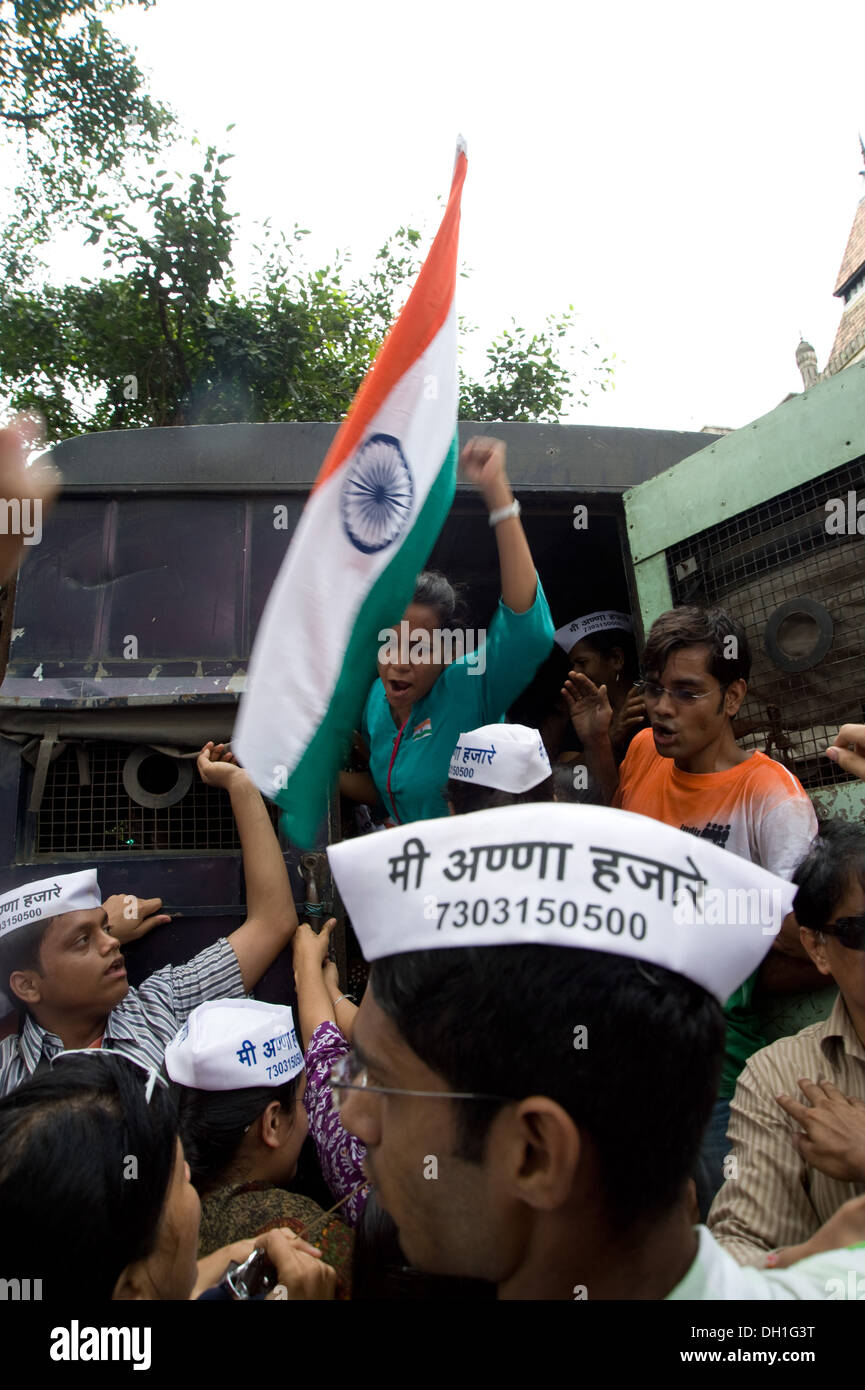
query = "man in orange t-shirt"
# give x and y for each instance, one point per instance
(688, 770)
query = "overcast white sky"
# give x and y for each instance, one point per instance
(685, 175)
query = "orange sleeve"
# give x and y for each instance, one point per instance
(631, 769)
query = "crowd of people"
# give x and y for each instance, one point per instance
(558, 1082)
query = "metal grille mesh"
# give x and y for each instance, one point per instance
(102, 818)
(751, 565)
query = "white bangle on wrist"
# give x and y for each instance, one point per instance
(504, 513)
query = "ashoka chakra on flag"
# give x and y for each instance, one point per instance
(377, 495)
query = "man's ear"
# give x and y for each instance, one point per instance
(543, 1152)
(24, 984)
(816, 949)
(733, 697)
(269, 1128)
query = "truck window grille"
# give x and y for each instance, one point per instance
(753, 563)
(103, 819)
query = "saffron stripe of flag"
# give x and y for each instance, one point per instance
(372, 518)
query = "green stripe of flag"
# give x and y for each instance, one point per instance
(304, 800)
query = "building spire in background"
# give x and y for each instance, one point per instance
(849, 345)
(806, 361)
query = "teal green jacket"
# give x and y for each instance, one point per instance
(410, 765)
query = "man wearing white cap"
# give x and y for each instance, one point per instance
(498, 765)
(532, 1106)
(64, 968)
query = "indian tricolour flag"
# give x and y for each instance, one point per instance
(372, 519)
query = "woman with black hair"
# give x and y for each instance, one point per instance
(240, 1074)
(422, 699)
(95, 1196)
(601, 647)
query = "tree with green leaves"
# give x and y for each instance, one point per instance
(168, 338)
(527, 380)
(73, 108)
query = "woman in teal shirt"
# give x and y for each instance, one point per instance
(418, 707)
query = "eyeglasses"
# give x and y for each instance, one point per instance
(850, 931)
(680, 694)
(348, 1074)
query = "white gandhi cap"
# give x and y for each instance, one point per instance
(235, 1044)
(48, 897)
(510, 757)
(554, 874)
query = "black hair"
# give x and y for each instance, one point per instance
(835, 858)
(20, 950)
(74, 1211)
(606, 642)
(468, 796)
(213, 1123)
(435, 590)
(691, 626)
(642, 1088)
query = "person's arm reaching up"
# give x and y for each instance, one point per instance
(591, 715)
(483, 463)
(520, 633)
(319, 997)
(271, 918)
(309, 950)
(339, 1153)
(343, 1008)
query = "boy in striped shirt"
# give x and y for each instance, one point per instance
(64, 969)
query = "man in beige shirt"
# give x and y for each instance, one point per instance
(792, 1165)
